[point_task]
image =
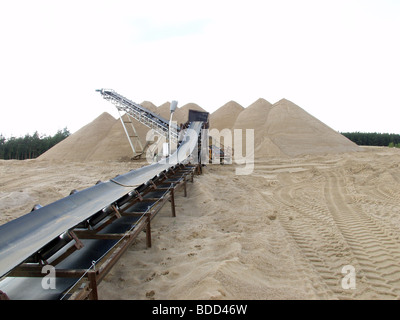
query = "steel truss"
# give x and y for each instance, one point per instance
(141, 114)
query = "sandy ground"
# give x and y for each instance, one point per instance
(284, 232)
(26, 183)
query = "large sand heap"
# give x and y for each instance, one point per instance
(83, 143)
(282, 129)
(102, 139)
(163, 110)
(296, 132)
(255, 117)
(225, 117)
(285, 129)
(115, 145)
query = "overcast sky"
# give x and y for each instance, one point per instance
(338, 60)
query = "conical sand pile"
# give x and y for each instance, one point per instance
(280, 130)
(285, 129)
(163, 110)
(115, 145)
(297, 132)
(255, 117)
(225, 117)
(102, 139)
(80, 145)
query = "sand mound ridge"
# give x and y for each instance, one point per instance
(282, 129)
(255, 117)
(297, 132)
(225, 117)
(83, 143)
(163, 110)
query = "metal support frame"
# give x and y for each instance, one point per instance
(139, 113)
(66, 246)
(89, 279)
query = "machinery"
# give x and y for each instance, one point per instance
(80, 237)
(139, 113)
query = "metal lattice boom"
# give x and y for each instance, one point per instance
(141, 114)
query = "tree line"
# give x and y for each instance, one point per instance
(29, 146)
(374, 139)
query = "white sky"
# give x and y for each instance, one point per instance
(339, 60)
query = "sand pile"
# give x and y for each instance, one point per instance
(225, 116)
(296, 132)
(115, 145)
(282, 129)
(102, 139)
(105, 139)
(255, 117)
(163, 110)
(80, 145)
(285, 129)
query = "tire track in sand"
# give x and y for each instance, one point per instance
(332, 231)
(376, 250)
(315, 233)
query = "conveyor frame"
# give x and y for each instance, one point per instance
(101, 206)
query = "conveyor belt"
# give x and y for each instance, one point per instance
(22, 237)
